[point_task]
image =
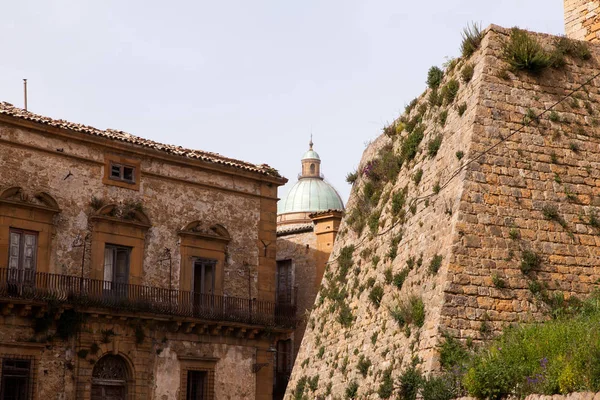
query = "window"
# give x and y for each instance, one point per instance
(121, 172)
(284, 282)
(204, 276)
(16, 379)
(312, 168)
(196, 385)
(116, 266)
(22, 249)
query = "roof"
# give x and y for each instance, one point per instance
(325, 212)
(311, 154)
(10, 110)
(310, 195)
(288, 230)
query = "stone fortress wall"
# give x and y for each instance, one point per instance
(461, 236)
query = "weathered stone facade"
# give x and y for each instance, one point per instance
(504, 189)
(178, 207)
(582, 19)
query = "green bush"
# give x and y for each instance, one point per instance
(453, 354)
(434, 98)
(410, 144)
(434, 77)
(352, 390)
(442, 117)
(399, 278)
(530, 261)
(410, 382)
(434, 146)
(363, 366)
(351, 177)
(398, 201)
(374, 221)
(344, 262)
(450, 90)
(558, 356)
(386, 389)
(376, 295)
(417, 176)
(461, 108)
(300, 388)
(467, 73)
(410, 311)
(436, 263)
(345, 317)
(471, 40)
(524, 52)
(437, 388)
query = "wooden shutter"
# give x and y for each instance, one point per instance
(29, 250)
(14, 249)
(284, 282)
(108, 266)
(122, 266)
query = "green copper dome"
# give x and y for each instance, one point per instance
(310, 195)
(311, 154)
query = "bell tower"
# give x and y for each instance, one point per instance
(311, 163)
(582, 20)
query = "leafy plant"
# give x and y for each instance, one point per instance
(351, 177)
(524, 53)
(410, 311)
(435, 264)
(386, 388)
(450, 90)
(434, 77)
(434, 146)
(345, 317)
(471, 40)
(461, 108)
(437, 187)
(442, 117)
(399, 278)
(363, 366)
(410, 144)
(554, 116)
(498, 282)
(352, 390)
(460, 154)
(410, 382)
(417, 176)
(530, 261)
(467, 72)
(376, 295)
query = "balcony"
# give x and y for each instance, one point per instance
(84, 293)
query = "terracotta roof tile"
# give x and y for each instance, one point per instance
(287, 230)
(331, 210)
(9, 109)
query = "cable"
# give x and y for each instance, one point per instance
(416, 200)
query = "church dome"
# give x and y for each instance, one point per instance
(311, 155)
(310, 195)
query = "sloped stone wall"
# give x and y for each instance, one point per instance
(529, 195)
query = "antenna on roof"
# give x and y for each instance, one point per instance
(25, 92)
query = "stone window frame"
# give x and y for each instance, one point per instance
(114, 159)
(111, 230)
(19, 212)
(199, 242)
(202, 364)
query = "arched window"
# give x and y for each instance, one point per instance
(312, 168)
(109, 378)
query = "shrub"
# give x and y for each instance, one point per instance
(523, 52)
(410, 311)
(300, 388)
(408, 108)
(434, 77)
(417, 176)
(389, 275)
(530, 261)
(351, 177)
(374, 221)
(437, 388)
(471, 40)
(450, 90)
(321, 352)
(399, 278)
(460, 154)
(554, 117)
(558, 356)
(434, 146)
(363, 366)
(575, 48)
(574, 147)
(410, 382)
(436, 188)
(452, 354)
(352, 390)
(344, 262)
(386, 389)
(376, 295)
(467, 73)
(398, 201)
(313, 383)
(345, 317)
(436, 263)
(462, 107)
(434, 98)
(498, 282)
(410, 144)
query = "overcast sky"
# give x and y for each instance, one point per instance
(246, 79)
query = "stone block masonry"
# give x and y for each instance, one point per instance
(456, 245)
(582, 19)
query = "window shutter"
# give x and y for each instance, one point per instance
(29, 250)
(108, 267)
(122, 266)
(15, 245)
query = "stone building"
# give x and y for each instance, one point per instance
(131, 269)
(476, 209)
(308, 219)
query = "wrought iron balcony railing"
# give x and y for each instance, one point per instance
(85, 292)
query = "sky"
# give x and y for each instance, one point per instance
(246, 79)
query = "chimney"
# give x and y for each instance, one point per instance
(582, 20)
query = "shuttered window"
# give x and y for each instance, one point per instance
(116, 266)
(284, 282)
(22, 249)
